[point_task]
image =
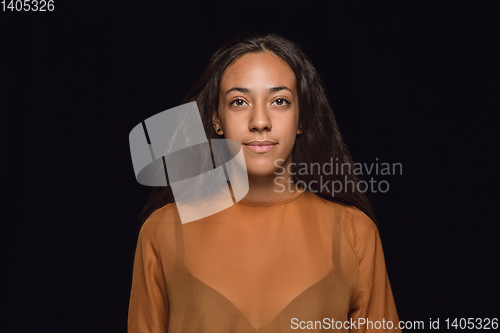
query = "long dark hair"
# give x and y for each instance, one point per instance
(320, 141)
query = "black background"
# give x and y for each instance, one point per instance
(412, 83)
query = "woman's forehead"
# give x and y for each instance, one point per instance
(258, 70)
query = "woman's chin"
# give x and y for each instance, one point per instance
(261, 170)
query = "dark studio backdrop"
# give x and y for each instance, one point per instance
(411, 83)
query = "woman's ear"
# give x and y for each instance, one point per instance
(299, 130)
(216, 123)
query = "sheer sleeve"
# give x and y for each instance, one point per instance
(373, 302)
(148, 305)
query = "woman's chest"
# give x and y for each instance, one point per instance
(194, 301)
(259, 278)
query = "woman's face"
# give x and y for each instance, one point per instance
(258, 107)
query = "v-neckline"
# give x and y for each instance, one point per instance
(261, 328)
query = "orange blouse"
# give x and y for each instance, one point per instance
(300, 263)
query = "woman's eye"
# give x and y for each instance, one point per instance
(281, 102)
(238, 102)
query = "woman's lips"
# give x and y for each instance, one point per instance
(260, 146)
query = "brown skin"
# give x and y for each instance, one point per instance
(261, 114)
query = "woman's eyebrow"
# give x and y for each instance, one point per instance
(246, 90)
(275, 89)
(243, 90)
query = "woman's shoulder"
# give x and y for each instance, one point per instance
(355, 221)
(360, 227)
(164, 213)
(164, 218)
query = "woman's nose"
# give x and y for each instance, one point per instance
(260, 120)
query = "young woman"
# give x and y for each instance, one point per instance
(301, 250)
